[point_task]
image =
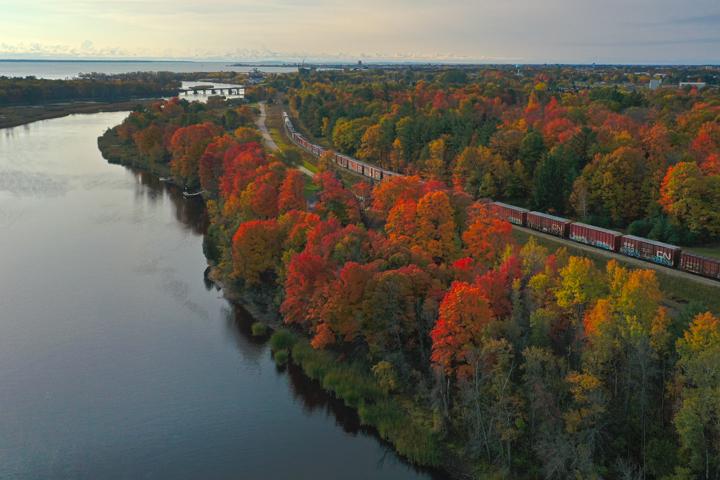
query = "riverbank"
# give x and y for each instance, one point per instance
(115, 151)
(394, 413)
(21, 115)
(143, 370)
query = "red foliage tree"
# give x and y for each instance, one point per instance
(292, 195)
(487, 237)
(464, 314)
(211, 163)
(187, 146)
(335, 200)
(307, 275)
(389, 193)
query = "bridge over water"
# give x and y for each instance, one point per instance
(212, 90)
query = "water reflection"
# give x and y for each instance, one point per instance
(310, 394)
(118, 359)
(190, 212)
(307, 392)
(238, 324)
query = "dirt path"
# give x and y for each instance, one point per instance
(267, 138)
(633, 261)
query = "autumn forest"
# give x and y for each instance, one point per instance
(466, 347)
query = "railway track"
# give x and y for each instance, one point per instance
(267, 138)
(675, 258)
(622, 258)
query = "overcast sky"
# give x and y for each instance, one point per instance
(509, 31)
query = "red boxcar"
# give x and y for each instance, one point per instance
(707, 267)
(650, 250)
(595, 236)
(542, 222)
(511, 213)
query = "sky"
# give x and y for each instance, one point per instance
(463, 31)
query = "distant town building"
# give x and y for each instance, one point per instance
(698, 85)
(255, 76)
(655, 83)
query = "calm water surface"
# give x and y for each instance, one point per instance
(70, 69)
(117, 361)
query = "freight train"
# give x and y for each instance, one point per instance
(610, 240)
(343, 161)
(628, 245)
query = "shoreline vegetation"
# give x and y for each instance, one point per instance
(29, 99)
(467, 350)
(16, 116)
(395, 419)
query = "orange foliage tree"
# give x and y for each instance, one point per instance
(257, 250)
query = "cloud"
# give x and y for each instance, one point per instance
(87, 50)
(646, 43)
(60, 51)
(697, 21)
(512, 31)
(700, 20)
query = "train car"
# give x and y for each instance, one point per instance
(699, 265)
(595, 236)
(354, 165)
(650, 250)
(542, 222)
(511, 213)
(341, 160)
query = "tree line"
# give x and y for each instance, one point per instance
(611, 153)
(97, 87)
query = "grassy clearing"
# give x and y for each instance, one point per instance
(680, 291)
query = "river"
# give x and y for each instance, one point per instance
(117, 360)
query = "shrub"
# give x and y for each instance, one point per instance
(412, 434)
(259, 329)
(411, 438)
(281, 357)
(351, 385)
(282, 340)
(315, 363)
(385, 375)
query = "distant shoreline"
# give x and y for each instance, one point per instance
(78, 60)
(22, 115)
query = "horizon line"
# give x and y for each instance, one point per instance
(289, 63)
